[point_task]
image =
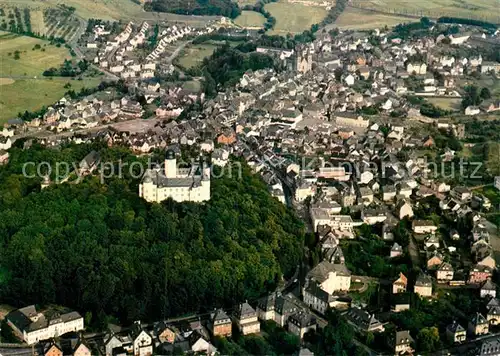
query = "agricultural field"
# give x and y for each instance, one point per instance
(125, 10)
(193, 55)
(358, 19)
(22, 86)
(32, 61)
(32, 94)
(60, 22)
(294, 17)
(250, 19)
(475, 9)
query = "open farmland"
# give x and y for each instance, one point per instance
(22, 86)
(294, 17)
(193, 55)
(32, 62)
(250, 19)
(125, 10)
(358, 19)
(475, 9)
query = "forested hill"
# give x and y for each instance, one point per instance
(226, 8)
(99, 248)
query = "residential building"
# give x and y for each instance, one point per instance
(246, 319)
(445, 272)
(330, 277)
(488, 289)
(478, 325)
(396, 250)
(363, 321)
(402, 343)
(32, 326)
(301, 322)
(490, 347)
(220, 323)
(423, 285)
(456, 333)
(142, 340)
(423, 227)
(400, 284)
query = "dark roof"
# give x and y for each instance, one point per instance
(245, 311)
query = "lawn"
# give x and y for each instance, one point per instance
(353, 18)
(32, 62)
(193, 55)
(32, 94)
(477, 9)
(446, 104)
(294, 17)
(250, 19)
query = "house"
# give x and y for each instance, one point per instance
(331, 277)
(220, 323)
(444, 273)
(431, 241)
(423, 227)
(400, 284)
(423, 285)
(396, 250)
(363, 321)
(479, 274)
(89, 163)
(199, 345)
(165, 333)
(455, 332)
(246, 319)
(400, 302)
(388, 193)
(472, 110)
(496, 183)
(404, 209)
(487, 67)
(478, 325)
(301, 322)
(434, 260)
(493, 313)
(490, 347)
(50, 348)
(402, 342)
(417, 68)
(463, 194)
(142, 340)
(31, 326)
(488, 289)
(113, 343)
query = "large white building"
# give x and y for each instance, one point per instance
(180, 184)
(32, 326)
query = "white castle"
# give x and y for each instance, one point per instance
(180, 184)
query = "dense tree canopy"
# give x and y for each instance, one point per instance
(98, 247)
(197, 7)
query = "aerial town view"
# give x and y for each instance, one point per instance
(249, 177)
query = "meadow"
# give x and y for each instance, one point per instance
(294, 17)
(250, 19)
(476, 9)
(193, 55)
(32, 62)
(126, 10)
(358, 19)
(22, 86)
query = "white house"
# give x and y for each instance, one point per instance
(330, 277)
(497, 182)
(32, 326)
(472, 110)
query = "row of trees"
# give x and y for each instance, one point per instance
(68, 69)
(226, 8)
(474, 96)
(101, 249)
(259, 7)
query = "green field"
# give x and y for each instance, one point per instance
(32, 94)
(475, 9)
(446, 103)
(109, 10)
(193, 55)
(250, 19)
(22, 86)
(32, 62)
(294, 17)
(359, 19)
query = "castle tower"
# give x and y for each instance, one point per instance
(170, 164)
